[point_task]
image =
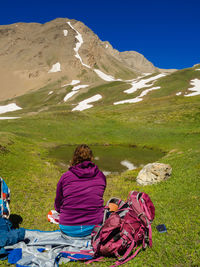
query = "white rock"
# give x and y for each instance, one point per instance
(153, 173)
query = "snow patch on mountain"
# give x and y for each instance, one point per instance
(148, 90)
(72, 83)
(78, 45)
(128, 101)
(197, 69)
(143, 83)
(77, 87)
(55, 68)
(65, 32)
(104, 76)
(138, 98)
(9, 108)
(9, 118)
(69, 95)
(85, 103)
(75, 90)
(179, 93)
(195, 88)
(130, 166)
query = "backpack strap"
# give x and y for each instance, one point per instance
(120, 262)
(94, 260)
(150, 236)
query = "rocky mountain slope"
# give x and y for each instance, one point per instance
(33, 55)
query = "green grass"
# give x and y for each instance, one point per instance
(165, 122)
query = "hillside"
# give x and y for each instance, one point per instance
(33, 55)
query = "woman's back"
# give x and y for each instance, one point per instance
(81, 189)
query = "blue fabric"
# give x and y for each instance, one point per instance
(77, 230)
(14, 255)
(9, 236)
(76, 256)
(5, 224)
(41, 249)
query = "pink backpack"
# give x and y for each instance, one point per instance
(126, 231)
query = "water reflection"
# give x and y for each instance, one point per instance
(110, 159)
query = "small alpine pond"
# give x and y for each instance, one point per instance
(109, 158)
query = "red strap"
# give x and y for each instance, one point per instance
(93, 260)
(128, 259)
(150, 236)
(146, 211)
(128, 251)
(72, 258)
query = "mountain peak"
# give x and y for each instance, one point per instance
(29, 52)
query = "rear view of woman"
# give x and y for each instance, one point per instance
(79, 195)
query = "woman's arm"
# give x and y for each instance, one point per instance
(59, 196)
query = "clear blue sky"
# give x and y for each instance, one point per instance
(165, 32)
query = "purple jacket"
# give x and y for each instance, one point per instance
(79, 195)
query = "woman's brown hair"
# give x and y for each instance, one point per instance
(82, 153)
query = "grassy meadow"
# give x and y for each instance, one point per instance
(161, 121)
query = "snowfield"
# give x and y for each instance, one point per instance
(130, 166)
(72, 83)
(138, 98)
(65, 32)
(145, 92)
(179, 93)
(77, 87)
(69, 95)
(85, 103)
(195, 88)
(9, 118)
(104, 76)
(9, 108)
(75, 90)
(128, 101)
(143, 83)
(55, 68)
(78, 45)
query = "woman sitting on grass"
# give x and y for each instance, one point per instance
(79, 195)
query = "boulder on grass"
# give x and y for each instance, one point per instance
(153, 173)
